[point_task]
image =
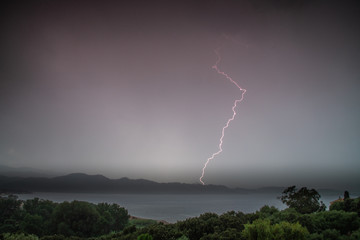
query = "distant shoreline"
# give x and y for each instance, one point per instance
(84, 183)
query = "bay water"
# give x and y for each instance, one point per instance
(174, 207)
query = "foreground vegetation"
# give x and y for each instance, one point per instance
(306, 218)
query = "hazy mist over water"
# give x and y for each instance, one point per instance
(176, 207)
(173, 207)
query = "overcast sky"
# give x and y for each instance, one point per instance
(127, 90)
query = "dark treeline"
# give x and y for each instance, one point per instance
(306, 218)
(44, 217)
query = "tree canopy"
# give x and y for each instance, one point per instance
(304, 200)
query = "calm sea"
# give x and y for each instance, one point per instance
(175, 207)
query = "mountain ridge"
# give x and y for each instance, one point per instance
(85, 183)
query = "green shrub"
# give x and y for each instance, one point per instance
(331, 234)
(145, 236)
(261, 229)
(53, 237)
(19, 236)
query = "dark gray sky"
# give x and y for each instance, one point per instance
(127, 89)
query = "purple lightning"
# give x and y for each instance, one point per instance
(243, 91)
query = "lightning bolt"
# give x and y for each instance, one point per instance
(243, 91)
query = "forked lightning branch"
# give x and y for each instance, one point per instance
(243, 91)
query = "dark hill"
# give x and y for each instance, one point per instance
(80, 182)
